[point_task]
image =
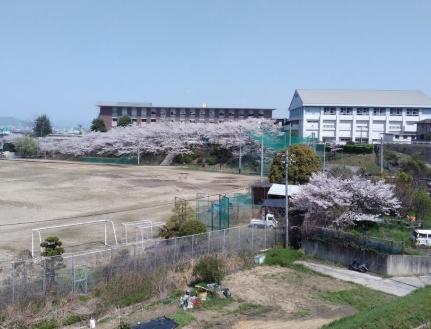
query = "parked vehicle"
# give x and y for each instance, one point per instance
(269, 221)
(358, 267)
(422, 238)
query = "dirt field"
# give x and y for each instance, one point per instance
(263, 298)
(38, 194)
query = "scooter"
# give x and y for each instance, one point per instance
(356, 266)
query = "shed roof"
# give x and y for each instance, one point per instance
(279, 189)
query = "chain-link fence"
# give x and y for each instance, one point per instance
(81, 273)
(354, 240)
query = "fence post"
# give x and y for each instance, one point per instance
(175, 248)
(239, 238)
(224, 240)
(193, 239)
(13, 283)
(252, 239)
(73, 275)
(266, 238)
(44, 276)
(209, 241)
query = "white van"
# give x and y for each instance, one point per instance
(422, 238)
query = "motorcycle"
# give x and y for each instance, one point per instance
(358, 267)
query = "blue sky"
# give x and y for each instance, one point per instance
(61, 57)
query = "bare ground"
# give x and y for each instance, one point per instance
(283, 298)
(36, 194)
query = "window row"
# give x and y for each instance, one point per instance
(201, 112)
(366, 111)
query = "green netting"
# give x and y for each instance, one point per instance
(120, 160)
(224, 211)
(280, 140)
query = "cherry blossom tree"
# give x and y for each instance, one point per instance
(157, 138)
(342, 202)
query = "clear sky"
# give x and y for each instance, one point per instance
(61, 57)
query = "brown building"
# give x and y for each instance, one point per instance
(146, 113)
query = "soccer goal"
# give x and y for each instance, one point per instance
(141, 229)
(105, 229)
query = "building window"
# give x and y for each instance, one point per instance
(211, 113)
(221, 113)
(192, 112)
(153, 120)
(153, 112)
(143, 112)
(124, 111)
(345, 111)
(144, 120)
(396, 111)
(183, 112)
(412, 112)
(134, 112)
(329, 111)
(173, 112)
(250, 113)
(114, 122)
(163, 113)
(202, 113)
(114, 112)
(362, 111)
(261, 114)
(379, 111)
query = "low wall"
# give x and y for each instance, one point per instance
(408, 265)
(377, 262)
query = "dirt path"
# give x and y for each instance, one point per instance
(398, 286)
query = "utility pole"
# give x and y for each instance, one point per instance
(261, 159)
(286, 206)
(290, 133)
(324, 156)
(240, 151)
(381, 155)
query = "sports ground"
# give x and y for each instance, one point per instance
(38, 194)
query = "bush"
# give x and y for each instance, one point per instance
(9, 147)
(282, 257)
(209, 269)
(26, 146)
(358, 148)
(71, 319)
(191, 227)
(181, 213)
(47, 324)
(123, 325)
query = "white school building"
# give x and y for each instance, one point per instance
(357, 115)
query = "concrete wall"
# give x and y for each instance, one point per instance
(408, 264)
(378, 263)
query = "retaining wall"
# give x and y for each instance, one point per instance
(385, 264)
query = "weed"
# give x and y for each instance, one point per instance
(183, 318)
(47, 324)
(251, 309)
(71, 319)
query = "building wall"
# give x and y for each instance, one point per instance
(147, 115)
(340, 124)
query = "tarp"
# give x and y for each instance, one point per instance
(275, 203)
(159, 323)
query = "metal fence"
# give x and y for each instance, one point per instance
(81, 273)
(354, 240)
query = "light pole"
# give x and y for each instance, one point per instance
(240, 151)
(261, 152)
(286, 191)
(290, 133)
(139, 152)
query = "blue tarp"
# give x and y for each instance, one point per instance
(159, 323)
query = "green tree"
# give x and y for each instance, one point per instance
(191, 227)
(181, 213)
(42, 126)
(303, 163)
(422, 205)
(124, 121)
(98, 125)
(26, 146)
(53, 261)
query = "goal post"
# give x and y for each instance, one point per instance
(39, 231)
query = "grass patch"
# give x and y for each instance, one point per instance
(388, 230)
(407, 312)
(47, 324)
(71, 319)
(251, 309)
(216, 303)
(360, 298)
(303, 313)
(286, 257)
(183, 318)
(366, 161)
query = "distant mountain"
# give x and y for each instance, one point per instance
(14, 123)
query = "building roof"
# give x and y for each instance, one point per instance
(279, 189)
(425, 121)
(372, 98)
(143, 104)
